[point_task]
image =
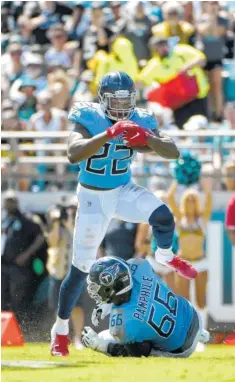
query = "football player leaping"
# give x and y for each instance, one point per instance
(146, 317)
(103, 142)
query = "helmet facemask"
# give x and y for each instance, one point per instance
(118, 106)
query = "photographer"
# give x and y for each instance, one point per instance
(22, 239)
(59, 259)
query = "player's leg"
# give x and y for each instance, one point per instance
(136, 204)
(91, 223)
(197, 333)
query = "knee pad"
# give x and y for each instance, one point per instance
(162, 219)
(163, 225)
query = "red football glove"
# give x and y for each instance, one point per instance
(136, 138)
(121, 126)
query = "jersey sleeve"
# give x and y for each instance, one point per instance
(83, 113)
(145, 119)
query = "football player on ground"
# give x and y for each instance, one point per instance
(103, 142)
(146, 317)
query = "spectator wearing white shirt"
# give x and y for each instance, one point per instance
(48, 118)
(57, 52)
(11, 64)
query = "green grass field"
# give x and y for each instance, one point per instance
(217, 364)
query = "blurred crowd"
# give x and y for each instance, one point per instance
(54, 54)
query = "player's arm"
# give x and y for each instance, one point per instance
(113, 348)
(163, 145)
(155, 140)
(81, 145)
(137, 349)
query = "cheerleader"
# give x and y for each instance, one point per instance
(191, 221)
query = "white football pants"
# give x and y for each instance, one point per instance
(131, 203)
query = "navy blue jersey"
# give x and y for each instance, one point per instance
(153, 313)
(110, 166)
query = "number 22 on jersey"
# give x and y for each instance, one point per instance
(118, 166)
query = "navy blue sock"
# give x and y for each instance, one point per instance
(70, 290)
(163, 226)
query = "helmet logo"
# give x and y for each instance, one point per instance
(108, 276)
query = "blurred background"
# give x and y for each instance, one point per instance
(181, 56)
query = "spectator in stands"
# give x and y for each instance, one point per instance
(118, 21)
(59, 260)
(172, 24)
(12, 67)
(83, 90)
(21, 239)
(191, 220)
(48, 118)
(10, 121)
(28, 104)
(33, 73)
(164, 117)
(194, 124)
(138, 30)
(7, 105)
(96, 37)
(57, 52)
(78, 23)
(40, 16)
(121, 57)
(25, 30)
(208, 40)
(188, 13)
(119, 239)
(59, 87)
(166, 64)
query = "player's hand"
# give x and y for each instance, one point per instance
(96, 316)
(136, 138)
(121, 126)
(99, 313)
(90, 338)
